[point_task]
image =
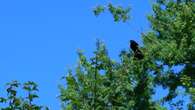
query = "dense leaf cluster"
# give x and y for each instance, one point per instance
(101, 83)
(172, 42)
(13, 101)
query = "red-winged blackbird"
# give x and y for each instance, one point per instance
(137, 53)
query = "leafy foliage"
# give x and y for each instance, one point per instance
(101, 83)
(128, 84)
(14, 102)
(119, 13)
(172, 42)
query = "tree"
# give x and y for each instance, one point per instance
(101, 83)
(128, 84)
(15, 102)
(172, 42)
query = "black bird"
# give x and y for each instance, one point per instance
(137, 53)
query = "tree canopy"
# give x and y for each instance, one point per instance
(100, 83)
(128, 84)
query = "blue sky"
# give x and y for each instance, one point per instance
(39, 38)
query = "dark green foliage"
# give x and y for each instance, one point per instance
(119, 13)
(101, 83)
(172, 42)
(15, 102)
(98, 10)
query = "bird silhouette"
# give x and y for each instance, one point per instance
(135, 47)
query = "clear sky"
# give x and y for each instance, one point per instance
(39, 38)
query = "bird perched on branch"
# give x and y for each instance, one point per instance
(137, 53)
